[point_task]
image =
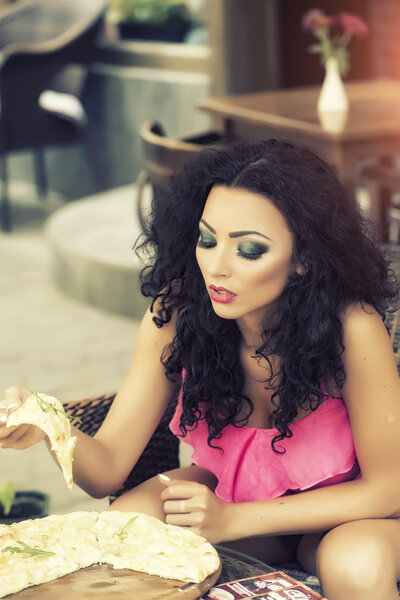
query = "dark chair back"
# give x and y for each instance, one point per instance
(40, 41)
(382, 183)
(163, 156)
(27, 69)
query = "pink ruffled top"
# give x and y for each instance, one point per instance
(320, 453)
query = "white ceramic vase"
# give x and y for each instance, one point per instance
(333, 104)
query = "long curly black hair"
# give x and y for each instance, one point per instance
(341, 263)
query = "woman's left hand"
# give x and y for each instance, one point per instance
(194, 505)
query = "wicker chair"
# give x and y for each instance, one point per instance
(161, 453)
(46, 48)
(383, 182)
(163, 156)
(392, 253)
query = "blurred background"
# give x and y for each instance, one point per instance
(231, 46)
(78, 83)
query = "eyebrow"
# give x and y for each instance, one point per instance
(235, 234)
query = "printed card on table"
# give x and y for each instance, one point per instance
(270, 586)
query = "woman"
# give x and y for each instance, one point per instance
(268, 297)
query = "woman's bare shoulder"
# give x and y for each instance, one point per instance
(361, 319)
(367, 344)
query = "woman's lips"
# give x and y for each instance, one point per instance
(221, 294)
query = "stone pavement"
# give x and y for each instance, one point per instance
(52, 342)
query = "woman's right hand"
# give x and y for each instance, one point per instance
(21, 436)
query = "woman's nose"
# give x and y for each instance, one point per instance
(219, 265)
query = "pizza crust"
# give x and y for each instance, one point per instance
(80, 539)
(50, 417)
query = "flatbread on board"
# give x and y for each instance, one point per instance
(39, 550)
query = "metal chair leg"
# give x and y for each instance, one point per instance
(93, 161)
(5, 208)
(40, 171)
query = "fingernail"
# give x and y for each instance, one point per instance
(12, 405)
(164, 477)
(3, 419)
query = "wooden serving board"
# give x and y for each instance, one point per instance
(100, 582)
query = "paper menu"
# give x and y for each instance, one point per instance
(270, 586)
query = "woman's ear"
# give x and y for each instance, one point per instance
(301, 268)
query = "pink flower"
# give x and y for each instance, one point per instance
(333, 33)
(315, 18)
(353, 24)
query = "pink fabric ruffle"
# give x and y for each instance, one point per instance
(320, 453)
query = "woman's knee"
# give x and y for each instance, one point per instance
(195, 473)
(355, 557)
(146, 497)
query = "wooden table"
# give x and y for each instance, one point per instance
(371, 130)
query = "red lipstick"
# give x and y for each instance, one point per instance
(221, 294)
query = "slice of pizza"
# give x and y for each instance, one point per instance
(13, 578)
(47, 413)
(142, 543)
(25, 561)
(70, 536)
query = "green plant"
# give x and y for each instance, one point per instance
(156, 12)
(7, 495)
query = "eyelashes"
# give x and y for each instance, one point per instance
(206, 240)
(251, 250)
(247, 250)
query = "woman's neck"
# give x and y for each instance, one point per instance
(251, 334)
(252, 327)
